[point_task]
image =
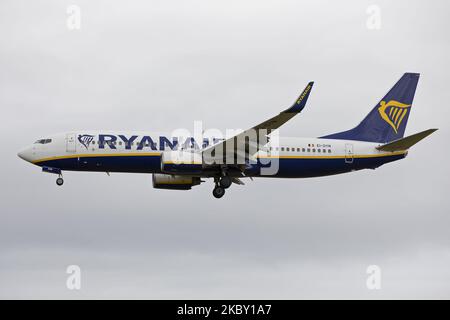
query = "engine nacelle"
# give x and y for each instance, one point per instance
(172, 182)
(181, 162)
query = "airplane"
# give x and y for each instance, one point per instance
(179, 163)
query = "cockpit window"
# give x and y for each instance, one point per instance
(43, 141)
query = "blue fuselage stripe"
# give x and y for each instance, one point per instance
(287, 167)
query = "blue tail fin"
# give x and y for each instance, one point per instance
(387, 121)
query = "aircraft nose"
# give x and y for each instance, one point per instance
(25, 154)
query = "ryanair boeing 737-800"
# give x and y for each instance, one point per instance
(180, 162)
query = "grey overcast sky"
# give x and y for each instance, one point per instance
(161, 65)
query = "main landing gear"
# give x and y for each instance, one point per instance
(225, 182)
(221, 184)
(218, 192)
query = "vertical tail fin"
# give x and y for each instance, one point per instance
(387, 120)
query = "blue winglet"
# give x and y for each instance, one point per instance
(300, 103)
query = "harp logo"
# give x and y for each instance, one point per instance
(393, 113)
(85, 139)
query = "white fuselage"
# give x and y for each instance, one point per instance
(112, 151)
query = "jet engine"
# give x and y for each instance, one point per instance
(173, 182)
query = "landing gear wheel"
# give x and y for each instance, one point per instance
(218, 192)
(225, 182)
(59, 181)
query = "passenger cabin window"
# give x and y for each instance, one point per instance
(282, 148)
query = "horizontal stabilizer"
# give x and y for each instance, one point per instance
(406, 143)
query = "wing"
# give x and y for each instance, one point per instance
(280, 119)
(247, 143)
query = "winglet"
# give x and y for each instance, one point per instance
(300, 103)
(406, 143)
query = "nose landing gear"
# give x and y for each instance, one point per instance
(60, 181)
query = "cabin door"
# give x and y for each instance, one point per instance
(348, 153)
(71, 144)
